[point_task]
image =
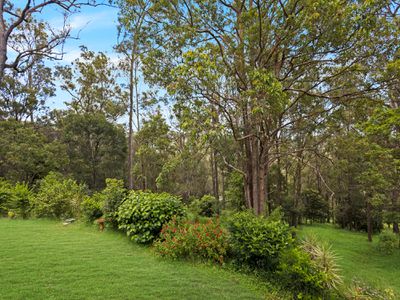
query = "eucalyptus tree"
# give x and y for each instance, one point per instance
(92, 83)
(258, 61)
(132, 44)
(32, 40)
(23, 95)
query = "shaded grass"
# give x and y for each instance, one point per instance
(359, 259)
(41, 259)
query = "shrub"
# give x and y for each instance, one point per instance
(6, 195)
(193, 240)
(113, 195)
(22, 200)
(300, 274)
(325, 261)
(16, 198)
(258, 241)
(91, 207)
(58, 197)
(207, 206)
(143, 214)
(388, 242)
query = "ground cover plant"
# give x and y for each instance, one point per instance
(43, 259)
(359, 260)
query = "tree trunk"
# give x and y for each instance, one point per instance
(3, 41)
(214, 174)
(297, 190)
(130, 134)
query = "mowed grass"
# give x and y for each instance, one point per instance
(358, 258)
(42, 259)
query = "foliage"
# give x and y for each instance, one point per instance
(193, 240)
(361, 290)
(58, 197)
(6, 196)
(112, 196)
(91, 80)
(15, 198)
(154, 149)
(234, 192)
(22, 200)
(206, 206)
(316, 208)
(258, 241)
(388, 242)
(91, 208)
(96, 147)
(325, 261)
(23, 95)
(28, 153)
(11, 214)
(143, 214)
(298, 272)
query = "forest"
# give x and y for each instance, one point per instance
(281, 107)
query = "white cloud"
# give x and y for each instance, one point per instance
(71, 55)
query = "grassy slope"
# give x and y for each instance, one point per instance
(44, 260)
(359, 258)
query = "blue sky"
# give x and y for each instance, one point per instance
(97, 30)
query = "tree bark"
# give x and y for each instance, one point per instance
(3, 41)
(130, 133)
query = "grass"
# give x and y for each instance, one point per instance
(42, 259)
(358, 258)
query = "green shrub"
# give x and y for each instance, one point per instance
(58, 197)
(143, 214)
(297, 272)
(113, 195)
(193, 240)
(91, 208)
(16, 198)
(6, 196)
(207, 206)
(258, 241)
(22, 200)
(388, 242)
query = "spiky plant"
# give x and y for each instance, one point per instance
(325, 260)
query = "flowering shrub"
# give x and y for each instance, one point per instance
(193, 240)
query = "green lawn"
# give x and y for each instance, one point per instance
(42, 259)
(359, 258)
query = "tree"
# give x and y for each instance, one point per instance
(27, 154)
(132, 33)
(154, 150)
(23, 95)
(258, 61)
(91, 81)
(96, 148)
(29, 39)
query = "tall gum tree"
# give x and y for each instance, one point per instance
(15, 15)
(258, 61)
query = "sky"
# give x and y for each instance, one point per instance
(96, 28)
